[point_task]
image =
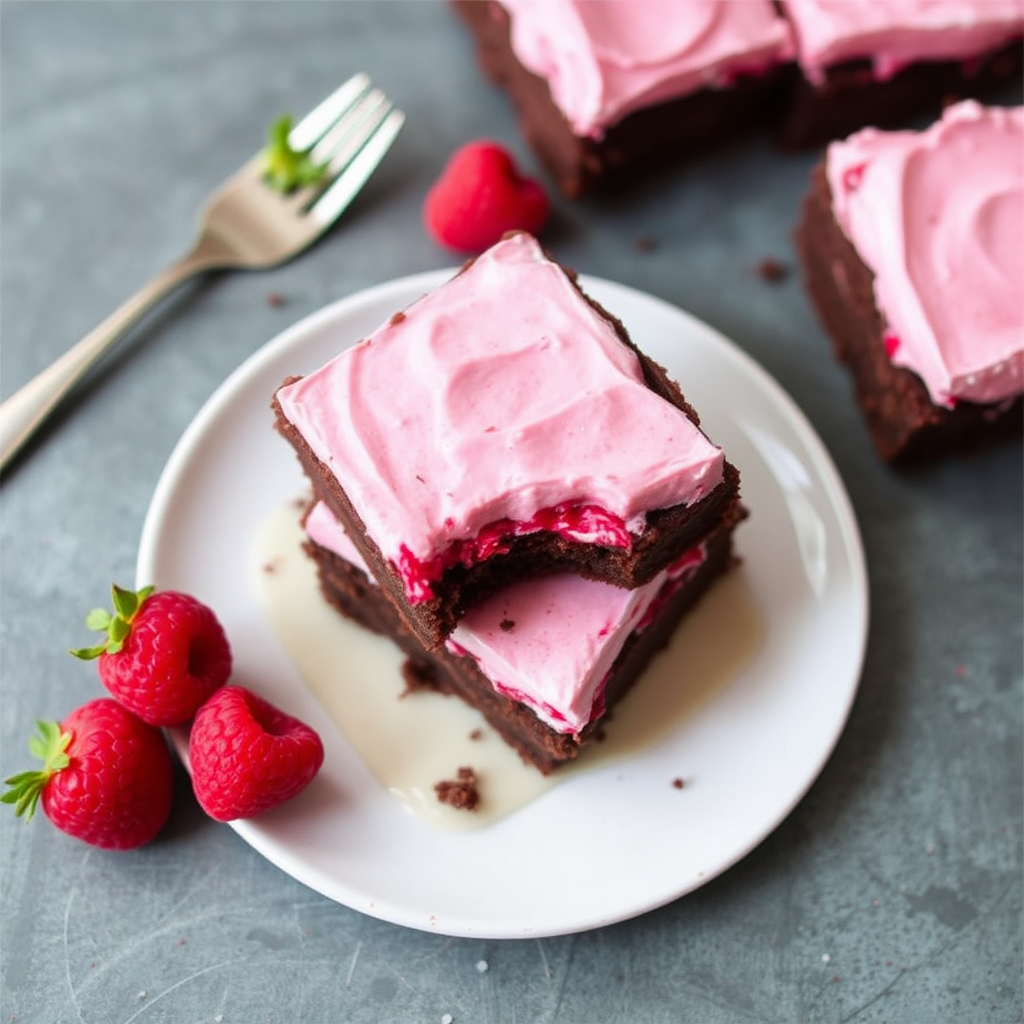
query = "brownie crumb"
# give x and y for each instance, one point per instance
(507, 625)
(462, 792)
(645, 244)
(275, 299)
(397, 318)
(678, 783)
(772, 270)
(476, 734)
(418, 675)
(271, 566)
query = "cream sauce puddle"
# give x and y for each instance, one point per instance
(411, 742)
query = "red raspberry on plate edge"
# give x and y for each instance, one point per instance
(107, 777)
(246, 755)
(164, 654)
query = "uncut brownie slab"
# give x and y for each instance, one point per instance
(544, 661)
(916, 270)
(504, 427)
(605, 91)
(884, 63)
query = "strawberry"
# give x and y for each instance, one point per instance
(247, 756)
(165, 653)
(479, 196)
(107, 777)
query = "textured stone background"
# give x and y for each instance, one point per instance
(893, 891)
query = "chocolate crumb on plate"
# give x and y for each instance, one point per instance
(772, 270)
(462, 792)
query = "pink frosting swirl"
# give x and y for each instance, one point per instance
(938, 216)
(603, 59)
(894, 33)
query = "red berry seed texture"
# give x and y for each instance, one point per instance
(247, 756)
(165, 653)
(107, 777)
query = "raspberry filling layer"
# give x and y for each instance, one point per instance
(581, 523)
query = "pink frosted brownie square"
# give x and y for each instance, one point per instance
(501, 428)
(913, 248)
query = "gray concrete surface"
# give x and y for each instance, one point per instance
(892, 892)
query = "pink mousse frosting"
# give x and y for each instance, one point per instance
(938, 217)
(894, 33)
(603, 59)
(548, 643)
(499, 404)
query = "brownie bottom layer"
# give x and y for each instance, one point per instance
(905, 425)
(350, 591)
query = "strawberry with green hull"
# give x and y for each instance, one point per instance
(165, 652)
(107, 777)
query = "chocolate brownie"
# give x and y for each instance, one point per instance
(348, 588)
(850, 96)
(644, 140)
(504, 461)
(905, 422)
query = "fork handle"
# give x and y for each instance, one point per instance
(25, 411)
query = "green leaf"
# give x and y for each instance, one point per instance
(126, 602)
(50, 745)
(98, 619)
(286, 168)
(88, 653)
(118, 627)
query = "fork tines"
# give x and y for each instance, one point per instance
(350, 131)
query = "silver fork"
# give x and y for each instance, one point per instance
(246, 225)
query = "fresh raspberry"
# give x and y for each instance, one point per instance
(247, 756)
(479, 196)
(106, 778)
(165, 653)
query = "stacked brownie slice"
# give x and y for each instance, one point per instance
(512, 491)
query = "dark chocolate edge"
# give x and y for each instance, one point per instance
(905, 426)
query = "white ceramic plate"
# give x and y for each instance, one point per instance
(603, 846)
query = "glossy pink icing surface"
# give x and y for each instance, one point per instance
(938, 216)
(894, 33)
(548, 643)
(502, 396)
(605, 58)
